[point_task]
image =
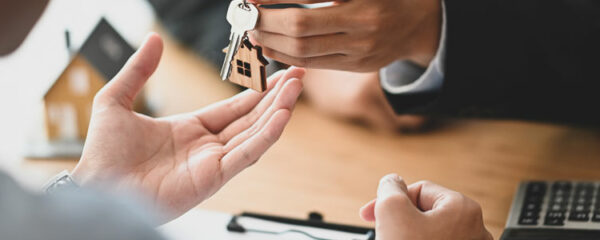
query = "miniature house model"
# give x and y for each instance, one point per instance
(248, 67)
(68, 102)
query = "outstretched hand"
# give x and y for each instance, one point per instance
(182, 160)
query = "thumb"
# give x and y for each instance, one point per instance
(391, 188)
(125, 86)
(391, 185)
(394, 212)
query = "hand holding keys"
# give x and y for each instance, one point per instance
(242, 17)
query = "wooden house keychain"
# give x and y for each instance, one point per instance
(244, 63)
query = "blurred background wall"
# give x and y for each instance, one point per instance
(26, 74)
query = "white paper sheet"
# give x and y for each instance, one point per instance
(205, 225)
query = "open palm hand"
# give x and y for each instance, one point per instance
(182, 160)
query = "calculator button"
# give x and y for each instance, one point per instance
(530, 214)
(596, 217)
(555, 214)
(557, 207)
(579, 216)
(580, 207)
(554, 222)
(562, 185)
(561, 193)
(584, 190)
(538, 188)
(534, 198)
(563, 203)
(585, 185)
(528, 221)
(559, 199)
(554, 218)
(531, 207)
(580, 200)
(584, 193)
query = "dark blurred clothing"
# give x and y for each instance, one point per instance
(69, 215)
(199, 24)
(511, 59)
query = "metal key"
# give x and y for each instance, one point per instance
(242, 17)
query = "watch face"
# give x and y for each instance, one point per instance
(62, 181)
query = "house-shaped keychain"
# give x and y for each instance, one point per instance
(248, 67)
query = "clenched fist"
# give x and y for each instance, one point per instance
(423, 211)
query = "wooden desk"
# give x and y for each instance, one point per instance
(333, 167)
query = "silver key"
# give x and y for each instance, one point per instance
(242, 17)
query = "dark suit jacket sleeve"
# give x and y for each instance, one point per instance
(532, 60)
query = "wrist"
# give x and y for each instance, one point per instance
(80, 175)
(427, 38)
(88, 173)
(84, 175)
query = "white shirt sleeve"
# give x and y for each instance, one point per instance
(403, 76)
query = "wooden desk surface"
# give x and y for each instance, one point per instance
(331, 166)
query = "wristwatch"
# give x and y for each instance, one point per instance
(62, 181)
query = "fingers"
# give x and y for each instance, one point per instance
(367, 212)
(312, 46)
(249, 120)
(247, 153)
(285, 99)
(268, 2)
(442, 204)
(393, 211)
(242, 123)
(333, 61)
(125, 86)
(391, 185)
(218, 115)
(250, 147)
(425, 195)
(429, 196)
(299, 22)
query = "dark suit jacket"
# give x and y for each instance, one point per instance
(518, 59)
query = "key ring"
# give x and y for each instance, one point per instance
(245, 4)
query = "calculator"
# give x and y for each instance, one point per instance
(555, 210)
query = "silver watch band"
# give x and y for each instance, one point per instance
(61, 181)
